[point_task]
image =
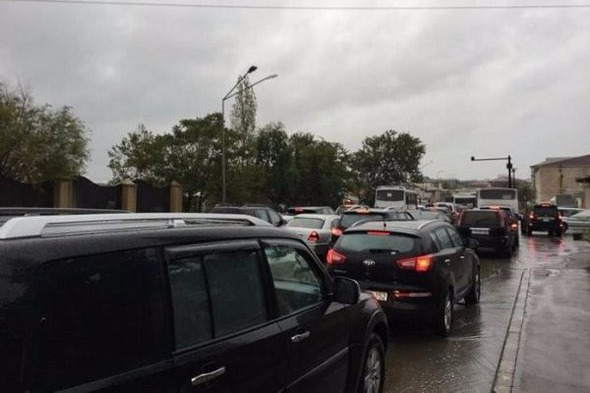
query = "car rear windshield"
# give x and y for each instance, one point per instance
(546, 211)
(390, 195)
(349, 219)
(497, 194)
(299, 210)
(313, 223)
(366, 242)
(480, 218)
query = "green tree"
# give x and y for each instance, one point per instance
(243, 117)
(38, 143)
(319, 171)
(190, 154)
(141, 155)
(389, 158)
(274, 163)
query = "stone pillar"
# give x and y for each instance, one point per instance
(175, 197)
(63, 194)
(128, 196)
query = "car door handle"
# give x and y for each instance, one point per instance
(447, 260)
(299, 337)
(206, 377)
(462, 257)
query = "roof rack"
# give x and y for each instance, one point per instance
(38, 226)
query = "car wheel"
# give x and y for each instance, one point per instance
(373, 367)
(443, 319)
(475, 292)
(529, 232)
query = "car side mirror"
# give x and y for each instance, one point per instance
(346, 290)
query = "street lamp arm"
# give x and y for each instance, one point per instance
(252, 85)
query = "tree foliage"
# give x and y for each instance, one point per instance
(389, 158)
(276, 168)
(38, 143)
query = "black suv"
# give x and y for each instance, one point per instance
(544, 217)
(263, 212)
(414, 268)
(178, 305)
(512, 217)
(492, 228)
(353, 217)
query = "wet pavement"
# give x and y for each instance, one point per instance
(558, 294)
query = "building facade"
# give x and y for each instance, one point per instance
(558, 176)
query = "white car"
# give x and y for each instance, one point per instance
(315, 229)
(579, 223)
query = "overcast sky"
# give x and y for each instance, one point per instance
(467, 82)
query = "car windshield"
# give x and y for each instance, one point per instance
(542, 211)
(366, 242)
(349, 219)
(312, 223)
(584, 215)
(480, 218)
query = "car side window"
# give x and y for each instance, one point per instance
(444, 238)
(455, 237)
(275, 219)
(435, 242)
(262, 214)
(216, 294)
(103, 315)
(297, 284)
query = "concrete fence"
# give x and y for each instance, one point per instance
(81, 192)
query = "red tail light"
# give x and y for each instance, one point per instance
(336, 231)
(532, 216)
(313, 237)
(422, 263)
(334, 257)
(378, 233)
(514, 226)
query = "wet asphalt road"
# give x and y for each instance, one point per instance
(419, 361)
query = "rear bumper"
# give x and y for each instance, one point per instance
(492, 241)
(404, 300)
(544, 226)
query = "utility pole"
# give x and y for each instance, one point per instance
(508, 166)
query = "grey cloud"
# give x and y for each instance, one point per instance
(483, 83)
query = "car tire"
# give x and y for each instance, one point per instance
(443, 317)
(373, 371)
(529, 232)
(475, 292)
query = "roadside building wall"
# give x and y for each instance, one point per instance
(554, 180)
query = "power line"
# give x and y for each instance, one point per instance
(306, 8)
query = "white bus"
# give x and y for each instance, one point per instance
(468, 199)
(397, 197)
(498, 197)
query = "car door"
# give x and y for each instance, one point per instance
(465, 262)
(451, 257)
(225, 339)
(315, 328)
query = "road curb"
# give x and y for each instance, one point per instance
(504, 378)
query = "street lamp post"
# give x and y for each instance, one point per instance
(231, 93)
(508, 165)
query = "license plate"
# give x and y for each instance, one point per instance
(546, 219)
(381, 296)
(480, 231)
